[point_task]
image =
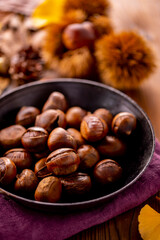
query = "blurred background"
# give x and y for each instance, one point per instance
(17, 31)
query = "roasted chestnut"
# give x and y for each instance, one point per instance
(124, 123)
(10, 137)
(88, 155)
(20, 156)
(77, 35)
(26, 182)
(56, 100)
(111, 146)
(8, 171)
(74, 116)
(60, 138)
(63, 161)
(40, 164)
(77, 135)
(107, 171)
(51, 119)
(26, 115)
(105, 114)
(35, 139)
(76, 184)
(40, 169)
(93, 128)
(49, 189)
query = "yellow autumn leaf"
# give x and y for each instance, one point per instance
(149, 223)
(49, 11)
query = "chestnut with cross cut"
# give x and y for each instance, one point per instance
(124, 123)
(8, 171)
(107, 171)
(63, 161)
(93, 128)
(35, 139)
(20, 156)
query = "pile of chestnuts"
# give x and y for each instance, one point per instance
(63, 152)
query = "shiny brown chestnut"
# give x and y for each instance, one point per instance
(88, 155)
(93, 128)
(51, 119)
(26, 182)
(35, 139)
(107, 171)
(49, 189)
(105, 114)
(60, 138)
(8, 171)
(111, 146)
(77, 135)
(40, 169)
(56, 100)
(26, 116)
(40, 164)
(20, 156)
(124, 123)
(76, 184)
(74, 116)
(10, 137)
(63, 161)
(77, 35)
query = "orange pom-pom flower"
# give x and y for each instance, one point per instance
(124, 60)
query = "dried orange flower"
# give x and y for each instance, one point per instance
(124, 60)
(90, 7)
(149, 223)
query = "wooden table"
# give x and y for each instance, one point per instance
(125, 226)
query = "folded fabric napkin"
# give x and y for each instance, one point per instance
(19, 222)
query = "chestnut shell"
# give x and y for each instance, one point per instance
(107, 171)
(35, 139)
(8, 171)
(76, 184)
(63, 161)
(93, 128)
(60, 138)
(20, 156)
(49, 189)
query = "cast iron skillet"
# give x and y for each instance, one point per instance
(89, 95)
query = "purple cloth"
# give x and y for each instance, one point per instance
(18, 222)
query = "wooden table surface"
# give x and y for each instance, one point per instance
(138, 16)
